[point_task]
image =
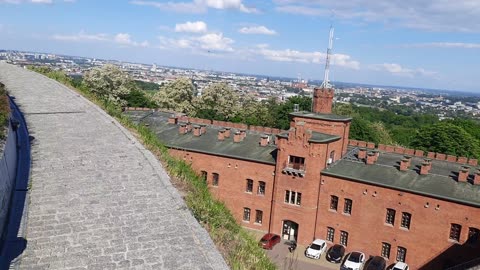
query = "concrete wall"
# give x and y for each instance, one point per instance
(8, 168)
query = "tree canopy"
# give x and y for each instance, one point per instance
(177, 95)
(218, 101)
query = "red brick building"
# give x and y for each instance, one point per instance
(313, 182)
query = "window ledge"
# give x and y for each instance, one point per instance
(404, 229)
(258, 224)
(248, 192)
(331, 210)
(453, 241)
(388, 225)
(347, 214)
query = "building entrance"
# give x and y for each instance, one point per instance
(290, 230)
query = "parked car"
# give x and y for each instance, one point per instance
(269, 240)
(316, 249)
(375, 263)
(400, 266)
(354, 261)
(335, 253)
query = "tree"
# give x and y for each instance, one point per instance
(218, 101)
(138, 98)
(444, 137)
(252, 112)
(177, 95)
(109, 83)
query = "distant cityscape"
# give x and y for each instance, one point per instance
(443, 103)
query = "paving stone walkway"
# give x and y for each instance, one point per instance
(98, 199)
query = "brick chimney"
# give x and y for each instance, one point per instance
(322, 100)
(203, 128)
(189, 126)
(463, 174)
(221, 134)
(362, 153)
(371, 158)
(426, 165)
(404, 164)
(429, 161)
(243, 132)
(227, 132)
(476, 177)
(182, 128)
(172, 120)
(264, 140)
(196, 131)
(237, 137)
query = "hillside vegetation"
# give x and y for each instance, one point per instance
(4, 111)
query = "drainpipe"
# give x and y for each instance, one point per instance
(274, 191)
(318, 195)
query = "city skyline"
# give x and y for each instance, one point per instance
(429, 44)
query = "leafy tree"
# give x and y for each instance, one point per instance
(138, 98)
(381, 134)
(218, 101)
(177, 95)
(360, 130)
(109, 83)
(444, 137)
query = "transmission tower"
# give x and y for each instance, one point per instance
(326, 82)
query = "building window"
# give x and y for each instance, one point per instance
(473, 235)
(390, 218)
(343, 238)
(455, 231)
(406, 218)
(386, 250)
(297, 163)
(204, 175)
(330, 234)
(215, 179)
(258, 216)
(249, 188)
(333, 202)
(347, 208)
(246, 214)
(292, 197)
(401, 254)
(261, 188)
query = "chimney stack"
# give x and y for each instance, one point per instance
(182, 128)
(243, 132)
(203, 128)
(196, 131)
(404, 164)
(227, 132)
(426, 165)
(362, 153)
(189, 126)
(322, 100)
(463, 174)
(172, 120)
(264, 140)
(221, 134)
(476, 177)
(371, 158)
(237, 137)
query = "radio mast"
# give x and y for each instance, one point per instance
(326, 82)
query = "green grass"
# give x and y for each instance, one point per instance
(238, 247)
(4, 111)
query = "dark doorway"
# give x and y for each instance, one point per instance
(290, 230)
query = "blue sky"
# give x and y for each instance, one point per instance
(416, 43)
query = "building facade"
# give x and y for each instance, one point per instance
(313, 182)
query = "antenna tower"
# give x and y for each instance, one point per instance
(326, 82)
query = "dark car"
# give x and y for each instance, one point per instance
(269, 240)
(375, 263)
(335, 253)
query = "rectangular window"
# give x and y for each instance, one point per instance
(401, 254)
(386, 250)
(390, 218)
(343, 238)
(249, 188)
(204, 175)
(292, 197)
(330, 234)
(333, 202)
(258, 216)
(215, 179)
(261, 188)
(455, 231)
(347, 208)
(246, 214)
(406, 218)
(473, 235)
(297, 163)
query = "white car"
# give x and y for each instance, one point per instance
(354, 261)
(400, 266)
(316, 249)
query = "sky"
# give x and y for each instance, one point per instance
(413, 43)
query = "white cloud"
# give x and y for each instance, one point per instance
(120, 38)
(212, 42)
(398, 70)
(289, 55)
(445, 45)
(261, 30)
(197, 6)
(191, 27)
(215, 42)
(430, 15)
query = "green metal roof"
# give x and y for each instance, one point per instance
(319, 137)
(248, 149)
(439, 183)
(322, 116)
